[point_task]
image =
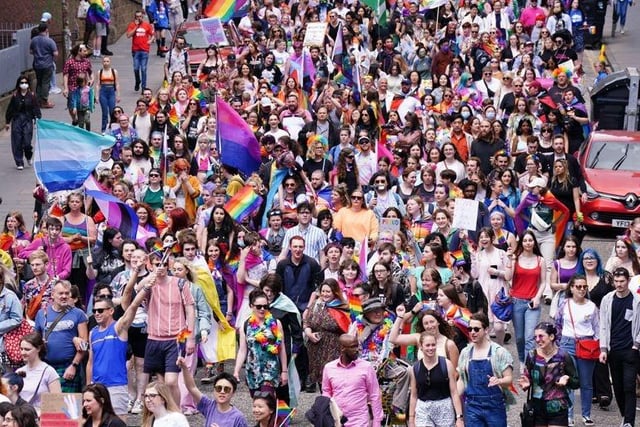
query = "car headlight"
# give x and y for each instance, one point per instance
(591, 193)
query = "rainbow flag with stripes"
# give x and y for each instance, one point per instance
(355, 307)
(243, 203)
(284, 413)
(222, 9)
(502, 239)
(458, 257)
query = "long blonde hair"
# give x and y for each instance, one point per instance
(163, 391)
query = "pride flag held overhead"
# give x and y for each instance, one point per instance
(66, 155)
(243, 203)
(118, 214)
(238, 144)
(223, 9)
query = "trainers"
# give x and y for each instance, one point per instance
(20, 167)
(55, 90)
(588, 421)
(129, 405)
(137, 407)
(571, 422)
(209, 375)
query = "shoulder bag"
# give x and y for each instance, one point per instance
(586, 348)
(502, 306)
(528, 414)
(13, 338)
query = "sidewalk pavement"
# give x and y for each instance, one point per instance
(16, 186)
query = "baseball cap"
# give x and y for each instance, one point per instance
(46, 17)
(266, 102)
(537, 182)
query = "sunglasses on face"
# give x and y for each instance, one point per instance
(222, 388)
(99, 310)
(356, 197)
(580, 287)
(261, 306)
(474, 329)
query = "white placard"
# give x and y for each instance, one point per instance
(293, 125)
(465, 215)
(315, 34)
(389, 224)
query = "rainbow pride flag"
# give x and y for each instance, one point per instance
(458, 257)
(222, 9)
(243, 203)
(284, 413)
(355, 307)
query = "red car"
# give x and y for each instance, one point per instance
(611, 169)
(197, 44)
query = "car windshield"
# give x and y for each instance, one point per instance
(196, 39)
(609, 155)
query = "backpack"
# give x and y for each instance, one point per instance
(442, 362)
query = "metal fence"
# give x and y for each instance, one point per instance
(14, 53)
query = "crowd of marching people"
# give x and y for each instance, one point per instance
(399, 203)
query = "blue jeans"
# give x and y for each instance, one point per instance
(525, 320)
(585, 373)
(107, 103)
(485, 412)
(140, 60)
(620, 12)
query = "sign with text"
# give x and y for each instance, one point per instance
(389, 224)
(213, 31)
(465, 215)
(315, 34)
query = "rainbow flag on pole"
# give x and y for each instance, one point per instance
(284, 413)
(223, 9)
(243, 203)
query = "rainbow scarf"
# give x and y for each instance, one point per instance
(560, 213)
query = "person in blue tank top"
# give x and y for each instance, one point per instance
(108, 347)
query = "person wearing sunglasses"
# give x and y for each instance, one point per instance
(107, 363)
(356, 221)
(486, 371)
(262, 347)
(578, 318)
(551, 371)
(217, 409)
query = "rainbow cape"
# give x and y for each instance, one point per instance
(223, 9)
(461, 317)
(560, 213)
(243, 203)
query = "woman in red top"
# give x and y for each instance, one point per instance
(526, 270)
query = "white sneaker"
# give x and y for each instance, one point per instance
(56, 90)
(621, 30)
(20, 168)
(137, 407)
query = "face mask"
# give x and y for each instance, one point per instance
(24, 85)
(465, 115)
(491, 115)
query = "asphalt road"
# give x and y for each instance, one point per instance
(16, 186)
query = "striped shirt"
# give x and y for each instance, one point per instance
(315, 240)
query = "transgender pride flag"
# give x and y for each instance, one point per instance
(66, 155)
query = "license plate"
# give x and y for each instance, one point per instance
(620, 223)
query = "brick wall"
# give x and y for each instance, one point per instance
(15, 11)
